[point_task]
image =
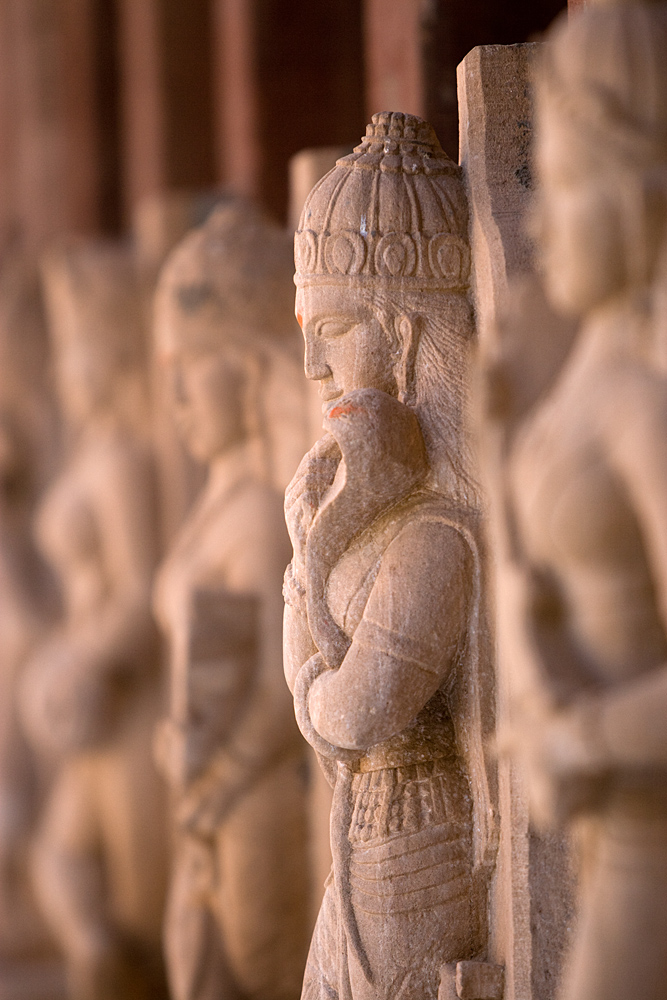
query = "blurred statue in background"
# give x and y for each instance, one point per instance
(238, 913)
(386, 649)
(584, 416)
(90, 692)
(159, 222)
(28, 602)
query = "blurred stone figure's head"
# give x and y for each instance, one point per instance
(96, 331)
(224, 309)
(601, 154)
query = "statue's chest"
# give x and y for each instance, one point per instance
(352, 578)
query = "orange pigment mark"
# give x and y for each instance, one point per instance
(299, 319)
(345, 411)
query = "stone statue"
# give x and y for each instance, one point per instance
(583, 413)
(90, 692)
(238, 914)
(386, 646)
(159, 222)
(27, 597)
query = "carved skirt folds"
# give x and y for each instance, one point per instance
(405, 900)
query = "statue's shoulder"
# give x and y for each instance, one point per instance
(258, 501)
(427, 528)
(255, 518)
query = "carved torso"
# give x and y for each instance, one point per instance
(577, 520)
(70, 537)
(218, 599)
(430, 735)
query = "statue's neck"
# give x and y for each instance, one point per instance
(627, 325)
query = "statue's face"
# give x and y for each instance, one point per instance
(207, 398)
(346, 347)
(206, 382)
(577, 222)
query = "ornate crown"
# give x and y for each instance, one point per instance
(393, 211)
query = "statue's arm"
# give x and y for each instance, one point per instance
(302, 500)
(298, 645)
(267, 726)
(126, 516)
(631, 723)
(636, 440)
(413, 627)
(264, 729)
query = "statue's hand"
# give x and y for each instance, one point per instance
(304, 494)
(66, 702)
(206, 801)
(182, 752)
(564, 762)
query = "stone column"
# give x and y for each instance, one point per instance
(533, 888)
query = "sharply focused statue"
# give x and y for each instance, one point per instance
(385, 638)
(584, 417)
(238, 914)
(91, 690)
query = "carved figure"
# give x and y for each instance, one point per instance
(27, 594)
(159, 222)
(385, 639)
(238, 914)
(584, 611)
(90, 691)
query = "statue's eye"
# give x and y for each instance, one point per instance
(192, 297)
(334, 328)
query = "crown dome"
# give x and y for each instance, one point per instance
(392, 211)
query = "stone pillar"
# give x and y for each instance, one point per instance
(166, 96)
(533, 889)
(289, 75)
(496, 132)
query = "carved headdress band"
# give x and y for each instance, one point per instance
(392, 212)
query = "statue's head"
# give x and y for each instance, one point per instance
(96, 329)
(601, 153)
(382, 276)
(223, 306)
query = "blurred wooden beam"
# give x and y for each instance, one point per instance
(166, 96)
(289, 76)
(49, 152)
(412, 50)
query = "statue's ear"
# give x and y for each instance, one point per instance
(407, 332)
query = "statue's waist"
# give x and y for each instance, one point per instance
(423, 742)
(409, 798)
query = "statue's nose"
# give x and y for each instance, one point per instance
(315, 364)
